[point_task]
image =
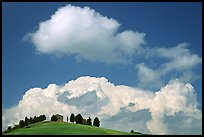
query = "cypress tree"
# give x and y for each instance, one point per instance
(26, 121)
(96, 122)
(72, 118)
(79, 119)
(21, 123)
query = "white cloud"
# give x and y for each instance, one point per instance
(189, 76)
(173, 98)
(178, 59)
(148, 77)
(86, 34)
(119, 107)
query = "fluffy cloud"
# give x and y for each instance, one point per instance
(118, 107)
(86, 34)
(180, 58)
(173, 98)
(177, 60)
(148, 77)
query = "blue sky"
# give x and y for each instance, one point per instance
(165, 25)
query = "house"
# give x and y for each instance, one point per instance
(59, 117)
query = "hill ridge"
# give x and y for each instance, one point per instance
(63, 128)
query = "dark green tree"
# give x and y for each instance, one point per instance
(26, 121)
(30, 120)
(54, 118)
(136, 132)
(72, 118)
(21, 123)
(9, 128)
(34, 119)
(79, 119)
(38, 119)
(16, 126)
(96, 122)
(88, 121)
(132, 131)
(84, 121)
(42, 117)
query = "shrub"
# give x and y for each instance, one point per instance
(138, 133)
(132, 131)
(9, 128)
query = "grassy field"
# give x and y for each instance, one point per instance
(64, 128)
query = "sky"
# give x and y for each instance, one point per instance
(115, 56)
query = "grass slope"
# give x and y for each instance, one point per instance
(63, 128)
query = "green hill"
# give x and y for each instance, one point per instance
(63, 128)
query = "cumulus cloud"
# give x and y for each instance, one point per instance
(118, 106)
(85, 34)
(173, 98)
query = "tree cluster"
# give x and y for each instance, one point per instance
(132, 131)
(28, 121)
(78, 119)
